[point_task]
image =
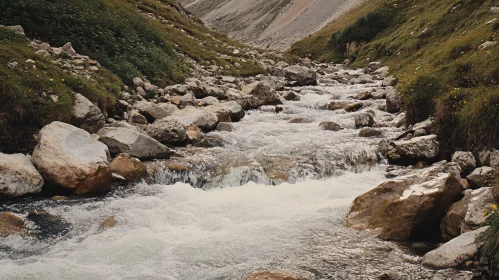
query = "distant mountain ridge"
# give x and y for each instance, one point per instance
(268, 23)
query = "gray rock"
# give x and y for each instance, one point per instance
(188, 100)
(134, 117)
(302, 120)
(370, 132)
(482, 177)
(150, 110)
(86, 115)
(300, 76)
(19, 176)
(170, 108)
(466, 161)
(19, 30)
(480, 203)
(138, 82)
(224, 126)
(290, 96)
(258, 94)
(123, 140)
(167, 131)
(363, 120)
(424, 147)
(399, 207)
(69, 157)
(210, 141)
(331, 126)
(455, 252)
(200, 117)
(393, 101)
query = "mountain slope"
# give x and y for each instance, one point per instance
(131, 38)
(273, 23)
(443, 52)
(157, 40)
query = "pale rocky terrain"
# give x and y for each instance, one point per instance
(270, 23)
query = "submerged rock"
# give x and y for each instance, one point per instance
(405, 206)
(18, 176)
(271, 275)
(69, 157)
(123, 140)
(332, 126)
(130, 168)
(455, 252)
(363, 120)
(11, 224)
(370, 132)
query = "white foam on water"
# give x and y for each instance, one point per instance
(180, 232)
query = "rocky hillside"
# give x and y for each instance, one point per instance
(447, 67)
(96, 48)
(275, 23)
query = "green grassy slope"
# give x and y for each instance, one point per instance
(122, 36)
(129, 38)
(25, 103)
(432, 47)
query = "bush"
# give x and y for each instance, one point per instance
(419, 98)
(367, 27)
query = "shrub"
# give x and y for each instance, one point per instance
(419, 98)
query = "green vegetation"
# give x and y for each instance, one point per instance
(431, 46)
(490, 238)
(129, 37)
(25, 91)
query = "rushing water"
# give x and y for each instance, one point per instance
(243, 221)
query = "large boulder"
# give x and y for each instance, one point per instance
(466, 161)
(167, 131)
(300, 76)
(69, 157)
(150, 110)
(19, 176)
(86, 115)
(123, 140)
(482, 177)
(204, 119)
(236, 111)
(257, 94)
(405, 206)
(130, 168)
(468, 213)
(393, 101)
(418, 148)
(455, 252)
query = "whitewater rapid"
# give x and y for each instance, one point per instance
(229, 223)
